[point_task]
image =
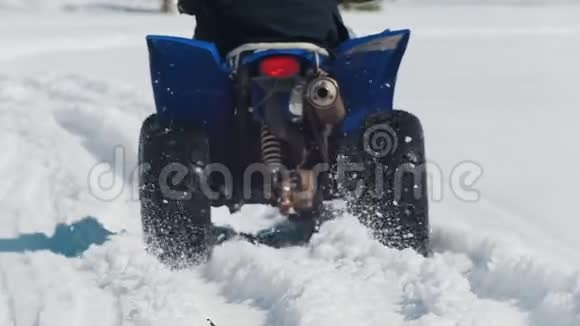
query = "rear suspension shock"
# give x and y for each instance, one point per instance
(271, 148)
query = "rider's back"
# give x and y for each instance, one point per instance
(230, 23)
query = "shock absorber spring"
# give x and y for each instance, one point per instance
(271, 147)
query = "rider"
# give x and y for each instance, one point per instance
(231, 23)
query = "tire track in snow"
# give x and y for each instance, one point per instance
(22, 296)
(149, 294)
(345, 278)
(7, 313)
(105, 118)
(119, 283)
(296, 287)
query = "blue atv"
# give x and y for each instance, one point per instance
(291, 125)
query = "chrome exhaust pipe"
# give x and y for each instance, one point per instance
(323, 94)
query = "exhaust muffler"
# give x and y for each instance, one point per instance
(323, 94)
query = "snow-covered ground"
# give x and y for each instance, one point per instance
(493, 85)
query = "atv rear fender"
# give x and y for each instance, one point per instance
(191, 81)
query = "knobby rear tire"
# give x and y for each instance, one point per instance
(389, 193)
(175, 213)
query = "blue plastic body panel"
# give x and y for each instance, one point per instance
(191, 82)
(366, 70)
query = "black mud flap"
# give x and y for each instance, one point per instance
(382, 174)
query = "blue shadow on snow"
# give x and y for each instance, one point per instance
(74, 239)
(68, 240)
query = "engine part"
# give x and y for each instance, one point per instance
(298, 192)
(296, 107)
(323, 94)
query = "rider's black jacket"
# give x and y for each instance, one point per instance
(230, 23)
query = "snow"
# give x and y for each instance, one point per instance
(494, 86)
(82, 5)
